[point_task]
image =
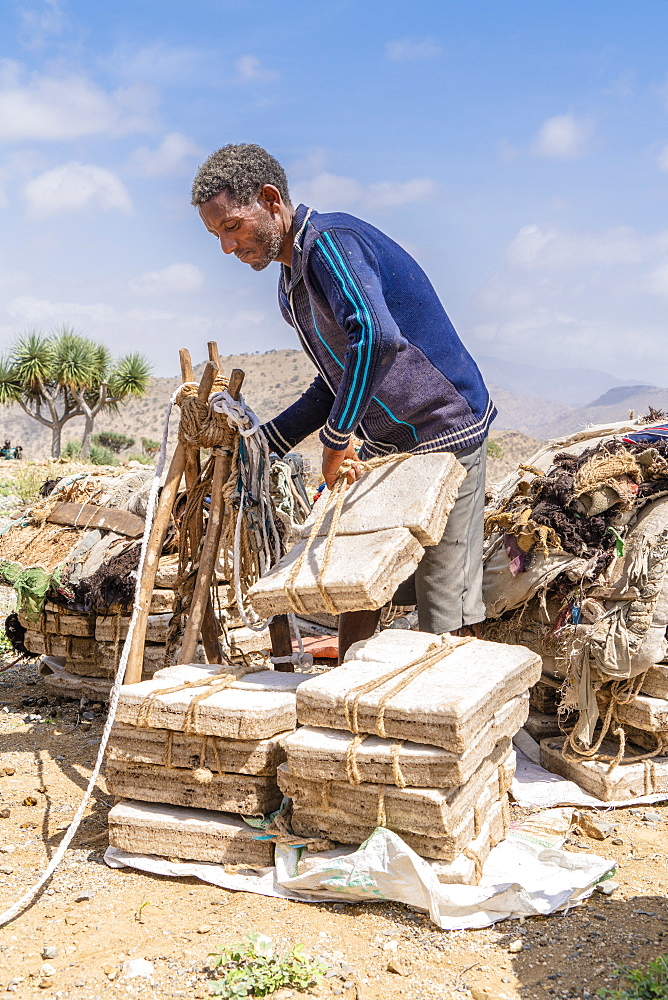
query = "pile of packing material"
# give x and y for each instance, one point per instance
(412, 732)
(72, 560)
(352, 555)
(192, 751)
(576, 568)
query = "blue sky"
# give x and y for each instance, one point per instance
(518, 149)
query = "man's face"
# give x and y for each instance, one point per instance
(250, 232)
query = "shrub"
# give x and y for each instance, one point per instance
(101, 456)
(494, 449)
(150, 447)
(113, 441)
(649, 984)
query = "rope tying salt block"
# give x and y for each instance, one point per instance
(331, 754)
(254, 706)
(401, 502)
(432, 697)
(638, 775)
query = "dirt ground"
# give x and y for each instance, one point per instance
(47, 749)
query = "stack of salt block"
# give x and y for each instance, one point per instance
(387, 518)
(185, 778)
(645, 721)
(439, 776)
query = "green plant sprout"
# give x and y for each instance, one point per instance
(641, 984)
(250, 968)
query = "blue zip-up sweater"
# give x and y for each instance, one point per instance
(392, 369)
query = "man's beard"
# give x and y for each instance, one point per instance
(268, 243)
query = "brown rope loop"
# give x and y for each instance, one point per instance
(168, 748)
(437, 651)
(397, 773)
(352, 770)
(381, 815)
(477, 863)
(213, 684)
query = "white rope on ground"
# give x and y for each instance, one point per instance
(114, 695)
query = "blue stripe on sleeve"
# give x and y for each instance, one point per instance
(352, 293)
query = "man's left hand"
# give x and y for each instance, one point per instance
(332, 461)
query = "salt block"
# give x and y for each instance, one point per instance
(246, 794)
(77, 647)
(645, 740)
(446, 704)
(417, 494)
(157, 627)
(466, 868)
(363, 572)
(538, 725)
(61, 623)
(167, 573)
(154, 657)
(428, 811)
(336, 826)
(247, 640)
(650, 714)
(162, 601)
(189, 834)
(322, 753)
(626, 781)
(545, 695)
(162, 746)
(250, 713)
(655, 682)
(69, 685)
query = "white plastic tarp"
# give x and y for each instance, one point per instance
(527, 874)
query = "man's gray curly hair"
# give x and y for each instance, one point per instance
(242, 171)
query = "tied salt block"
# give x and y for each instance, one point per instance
(445, 705)
(69, 685)
(158, 746)
(337, 825)
(187, 834)
(362, 573)
(322, 753)
(430, 811)
(246, 794)
(655, 682)
(248, 640)
(644, 712)
(157, 628)
(464, 870)
(63, 624)
(253, 708)
(417, 493)
(626, 781)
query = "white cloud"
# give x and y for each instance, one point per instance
(73, 186)
(173, 278)
(65, 107)
(31, 309)
(563, 137)
(594, 298)
(413, 49)
(662, 158)
(172, 156)
(250, 69)
(330, 192)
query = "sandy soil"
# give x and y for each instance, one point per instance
(47, 749)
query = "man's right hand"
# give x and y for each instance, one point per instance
(332, 461)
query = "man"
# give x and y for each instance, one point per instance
(391, 368)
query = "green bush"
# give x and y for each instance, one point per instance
(250, 968)
(101, 456)
(650, 984)
(150, 447)
(494, 449)
(136, 456)
(113, 441)
(71, 450)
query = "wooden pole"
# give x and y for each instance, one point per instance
(281, 642)
(156, 541)
(207, 563)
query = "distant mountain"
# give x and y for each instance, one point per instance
(574, 386)
(621, 394)
(607, 408)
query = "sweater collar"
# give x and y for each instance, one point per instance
(300, 225)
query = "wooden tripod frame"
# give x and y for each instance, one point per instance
(201, 619)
